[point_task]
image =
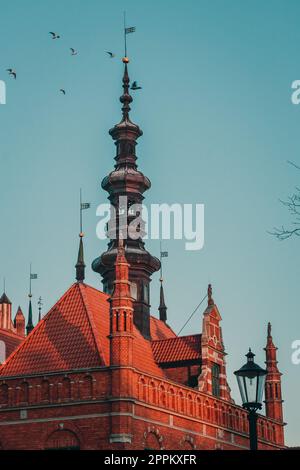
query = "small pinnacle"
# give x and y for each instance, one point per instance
(210, 300)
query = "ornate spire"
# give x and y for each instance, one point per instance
(126, 98)
(80, 265)
(210, 300)
(162, 306)
(126, 181)
(30, 325)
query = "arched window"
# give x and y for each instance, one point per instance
(199, 407)
(230, 416)
(24, 392)
(223, 416)
(172, 399)
(207, 410)
(274, 433)
(162, 396)
(190, 405)
(45, 390)
(180, 402)
(4, 394)
(142, 390)
(237, 420)
(66, 389)
(87, 387)
(216, 413)
(63, 439)
(152, 393)
(263, 430)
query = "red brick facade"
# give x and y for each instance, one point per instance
(119, 404)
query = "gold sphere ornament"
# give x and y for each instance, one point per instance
(125, 60)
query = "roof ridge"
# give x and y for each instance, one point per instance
(10, 333)
(91, 320)
(176, 338)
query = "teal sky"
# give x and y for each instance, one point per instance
(218, 127)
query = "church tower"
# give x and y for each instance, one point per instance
(125, 186)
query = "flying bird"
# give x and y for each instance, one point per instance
(111, 54)
(73, 52)
(135, 86)
(54, 35)
(12, 72)
(62, 91)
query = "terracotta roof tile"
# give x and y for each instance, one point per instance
(75, 334)
(180, 348)
(160, 330)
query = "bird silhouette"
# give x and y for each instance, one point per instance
(73, 52)
(62, 91)
(54, 35)
(12, 72)
(111, 54)
(135, 86)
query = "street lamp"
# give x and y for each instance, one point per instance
(251, 379)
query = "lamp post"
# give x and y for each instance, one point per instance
(251, 379)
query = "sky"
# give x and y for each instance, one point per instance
(219, 127)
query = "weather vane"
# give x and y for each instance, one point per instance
(163, 254)
(129, 30)
(31, 277)
(83, 206)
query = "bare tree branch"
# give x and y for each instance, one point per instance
(293, 205)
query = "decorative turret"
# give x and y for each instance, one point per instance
(19, 322)
(121, 313)
(5, 312)
(125, 186)
(273, 397)
(213, 370)
(162, 306)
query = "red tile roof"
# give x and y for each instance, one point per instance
(180, 348)
(74, 334)
(160, 330)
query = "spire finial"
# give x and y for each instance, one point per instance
(210, 300)
(162, 306)
(80, 265)
(269, 330)
(40, 304)
(126, 98)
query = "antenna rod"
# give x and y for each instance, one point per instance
(161, 269)
(80, 210)
(30, 282)
(125, 40)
